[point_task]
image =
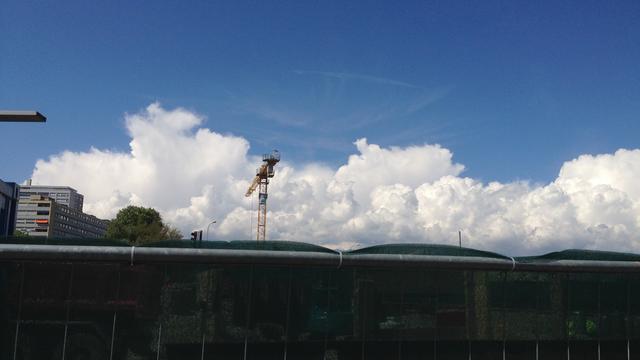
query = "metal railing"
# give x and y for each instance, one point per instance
(148, 255)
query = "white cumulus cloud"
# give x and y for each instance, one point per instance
(399, 194)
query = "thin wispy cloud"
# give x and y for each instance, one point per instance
(281, 115)
(428, 98)
(396, 110)
(354, 76)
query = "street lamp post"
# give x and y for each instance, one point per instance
(21, 116)
(15, 116)
(211, 223)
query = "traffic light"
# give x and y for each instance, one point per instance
(196, 235)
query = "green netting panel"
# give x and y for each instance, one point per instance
(574, 254)
(270, 297)
(614, 299)
(138, 307)
(582, 307)
(523, 295)
(614, 295)
(309, 305)
(184, 311)
(634, 306)
(43, 309)
(451, 305)
(10, 276)
(484, 292)
(534, 306)
(380, 302)
(426, 249)
(419, 304)
(310, 318)
(93, 300)
(350, 312)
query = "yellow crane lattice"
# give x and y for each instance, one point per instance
(263, 173)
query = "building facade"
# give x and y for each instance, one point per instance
(8, 200)
(63, 195)
(39, 215)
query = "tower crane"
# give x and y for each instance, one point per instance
(263, 173)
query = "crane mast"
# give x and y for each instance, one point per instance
(261, 180)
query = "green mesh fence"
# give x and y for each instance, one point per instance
(193, 311)
(263, 311)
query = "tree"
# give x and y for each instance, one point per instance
(20, 233)
(139, 225)
(171, 233)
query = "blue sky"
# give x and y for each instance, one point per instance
(512, 88)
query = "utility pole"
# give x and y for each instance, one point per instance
(211, 223)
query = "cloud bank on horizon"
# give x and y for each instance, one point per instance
(380, 195)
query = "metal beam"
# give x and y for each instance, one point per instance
(154, 255)
(21, 116)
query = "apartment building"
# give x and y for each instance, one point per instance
(39, 215)
(63, 195)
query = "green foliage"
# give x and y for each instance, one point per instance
(20, 234)
(591, 327)
(139, 225)
(171, 233)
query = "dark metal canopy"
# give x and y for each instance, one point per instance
(21, 116)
